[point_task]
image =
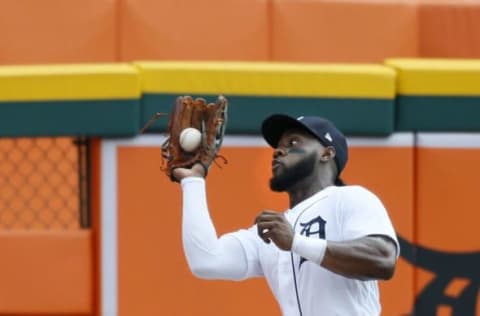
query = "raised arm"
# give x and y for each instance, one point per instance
(208, 256)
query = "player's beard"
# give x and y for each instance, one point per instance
(293, 174)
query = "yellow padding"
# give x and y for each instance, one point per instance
(268, 79)
(69, 82)
(437, 76)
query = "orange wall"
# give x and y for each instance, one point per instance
(47, 264)
(449, 28)
(154, 278)
(343, 31)
(57, 31)
(199, 30)
(447, 184)
(448, 214)
(46, 272)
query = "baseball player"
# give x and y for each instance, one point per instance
(323, 255)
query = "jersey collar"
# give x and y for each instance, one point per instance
(320, 195)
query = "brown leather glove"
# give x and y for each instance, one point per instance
(210, 119)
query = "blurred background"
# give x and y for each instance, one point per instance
(90, 225)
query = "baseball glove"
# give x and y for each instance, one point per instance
(210, 119)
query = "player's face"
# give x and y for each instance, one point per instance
(294, 159)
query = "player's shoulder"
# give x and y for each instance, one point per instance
(355, 192)
(353, 189)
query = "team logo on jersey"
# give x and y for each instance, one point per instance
(447, 268)
(313, 228)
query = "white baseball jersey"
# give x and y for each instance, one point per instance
(305, 288)
(301, 287)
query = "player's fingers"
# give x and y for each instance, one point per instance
(269, 235)
(268, 216)
(264, 229)
(266, 225)
(261, 234)
(269, 213)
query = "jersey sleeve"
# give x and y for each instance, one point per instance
(363, 214)
(233, 256)
(250, 242)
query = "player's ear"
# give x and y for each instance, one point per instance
(327, 154)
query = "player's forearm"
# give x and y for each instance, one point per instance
(365, 258)
(208, 256)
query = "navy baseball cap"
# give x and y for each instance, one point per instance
(325, 131)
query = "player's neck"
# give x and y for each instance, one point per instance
(305, 189)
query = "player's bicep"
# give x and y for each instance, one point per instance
(385, 245)
(388, 245)
(363, 214)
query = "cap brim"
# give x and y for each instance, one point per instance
(274, 126)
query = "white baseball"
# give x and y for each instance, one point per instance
(190, 139)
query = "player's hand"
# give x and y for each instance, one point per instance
(197, 170)
(273, 226)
